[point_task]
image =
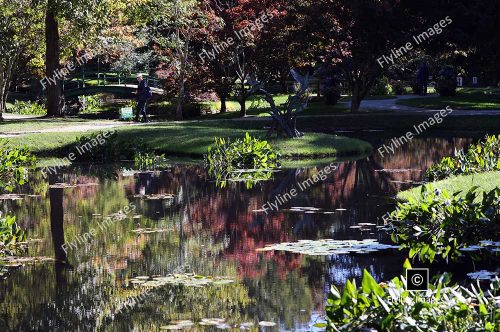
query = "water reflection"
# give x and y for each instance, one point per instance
(214, 230)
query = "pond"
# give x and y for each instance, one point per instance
(179, 221)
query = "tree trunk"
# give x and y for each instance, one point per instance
(356, 98)
(5, 80)
(178, 112)
(52, 58)
(242, 100)
(223, 106)
(3, 97)
(243, 108)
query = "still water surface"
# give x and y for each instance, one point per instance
(206, 230)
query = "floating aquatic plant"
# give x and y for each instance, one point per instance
(155, 196)
(151, 230)
(248, 160)
(329, 247)
(309, 210)
(483, 275)
(219, 323)
(184, 279)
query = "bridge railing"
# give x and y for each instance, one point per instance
(92, 79)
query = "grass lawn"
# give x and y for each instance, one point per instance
(486, 181)
(396, 122)
(466, 98)
(194, 138)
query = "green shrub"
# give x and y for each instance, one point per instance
(438, 224)
(248, 159)
(106, 147)
(382, 87)
(149, 161)
(27, 108)
(446, 82)
(446, 87)
(331, 91)
(391, 307)
(90, 104)
(14, 165)
(416, 87)
(398, 87)
(481, 157)
(332, 95)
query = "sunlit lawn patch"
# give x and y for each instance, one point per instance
(472, 99)
(484, 181)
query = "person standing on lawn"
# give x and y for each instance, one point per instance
(142, 95)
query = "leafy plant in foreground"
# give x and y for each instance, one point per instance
(391, 307)
(481, 157)
(437, 224)
(247, 160)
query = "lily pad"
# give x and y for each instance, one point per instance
(11, 197)
(308, 210)
(486, 245)
(62, 185)
(246, 326)
(482, 275)
(155, 197)
(184, 279)
(178, 325)
(329, 247)
(151, 230)
(212, 321)
(13, 260)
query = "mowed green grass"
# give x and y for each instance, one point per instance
(485, 181)
(466, 98)
(195, 138)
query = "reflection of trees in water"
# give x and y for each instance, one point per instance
(281, 294)
(179, 302)
(215, 231)
(43, 298)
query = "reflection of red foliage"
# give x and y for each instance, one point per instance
(248, 231)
